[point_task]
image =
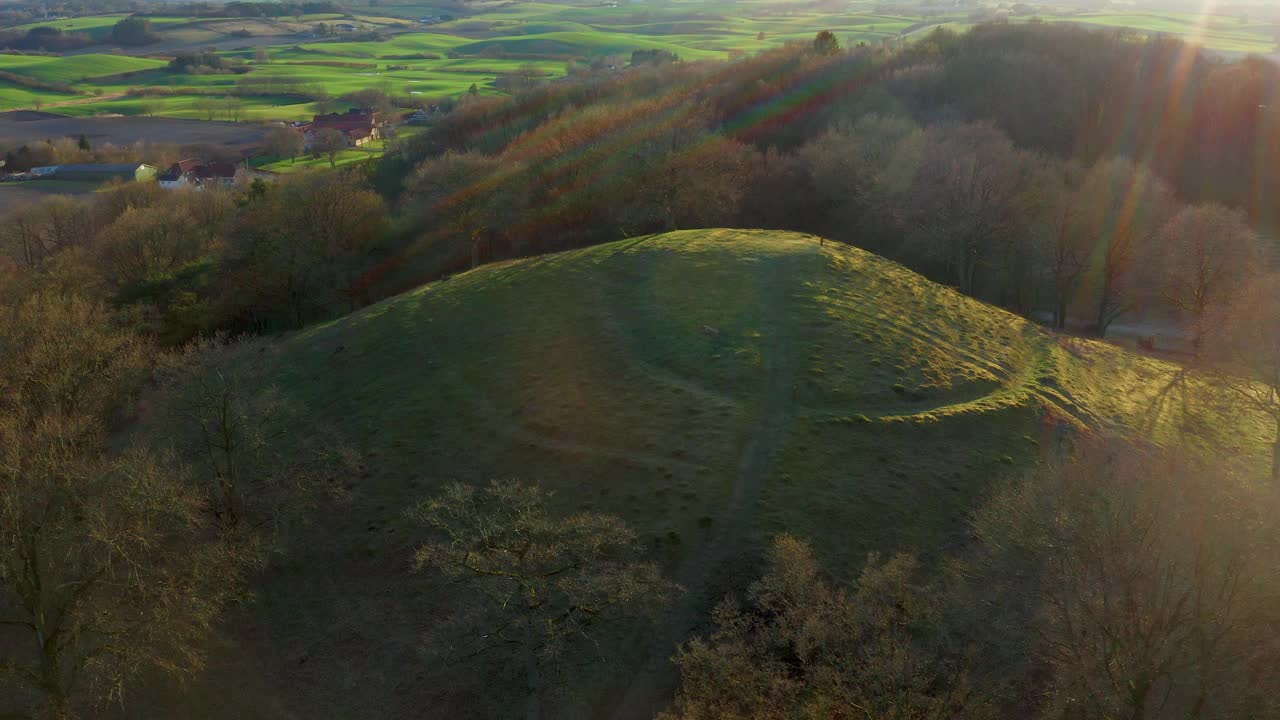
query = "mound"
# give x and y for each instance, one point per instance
(633, 375)
(712, 387)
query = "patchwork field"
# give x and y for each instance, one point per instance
(538, 39)
(1237, 33)
(18, 127)
(410, 59)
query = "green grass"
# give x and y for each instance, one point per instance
(630, 376)
(1218, 32)
(75, 68)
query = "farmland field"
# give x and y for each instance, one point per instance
(19, 127)
(411, 60)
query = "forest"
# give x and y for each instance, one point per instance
(1083, 180)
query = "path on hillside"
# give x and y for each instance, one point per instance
(77, 101)
(654, 684)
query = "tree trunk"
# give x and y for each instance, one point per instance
(1138, 694)
(1275, 458)
(1103, 304)
(533, 679)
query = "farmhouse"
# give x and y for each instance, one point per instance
(197, 174)
(360, 127)
(97, 171)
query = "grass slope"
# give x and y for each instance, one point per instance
(711, 386)
(629, 376)
(75, 68)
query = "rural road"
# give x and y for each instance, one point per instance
(655, 683)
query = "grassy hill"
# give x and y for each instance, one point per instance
(75, 68)
(712, 387)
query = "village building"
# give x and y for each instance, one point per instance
(359, 127)
(197, 174)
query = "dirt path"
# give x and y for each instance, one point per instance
(81, 101)
(654, 684)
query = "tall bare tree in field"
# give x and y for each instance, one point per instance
(284, 142)
(329, 142)
(540, 582)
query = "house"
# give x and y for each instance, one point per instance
(360, 127)
(197, 174)
(100, 172)
(176, 176)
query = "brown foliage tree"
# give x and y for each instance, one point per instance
(1120, 209)
(804, 648)
(1207, 252)
(540, 582)
(283, 142)
(298, 247)
(106, 567)
(966, 198)
(1152, 578)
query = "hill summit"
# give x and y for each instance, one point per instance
(712, 387)
(647, 376)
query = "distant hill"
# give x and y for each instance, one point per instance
(711, 386)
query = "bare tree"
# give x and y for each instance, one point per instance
(1153, 578)
(329, 142)
(1066, 245)
(232, 107)
(205, 105)
(964, 200)
(144, 241)
(260, 464)
(1206, 253)
(859, 170)
(1121, 207)
(540, 581)
(106, 567)
(467, 194)
(283, 142)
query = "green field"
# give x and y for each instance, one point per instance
(499, 38)
(444, 61)
(1232, 33)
